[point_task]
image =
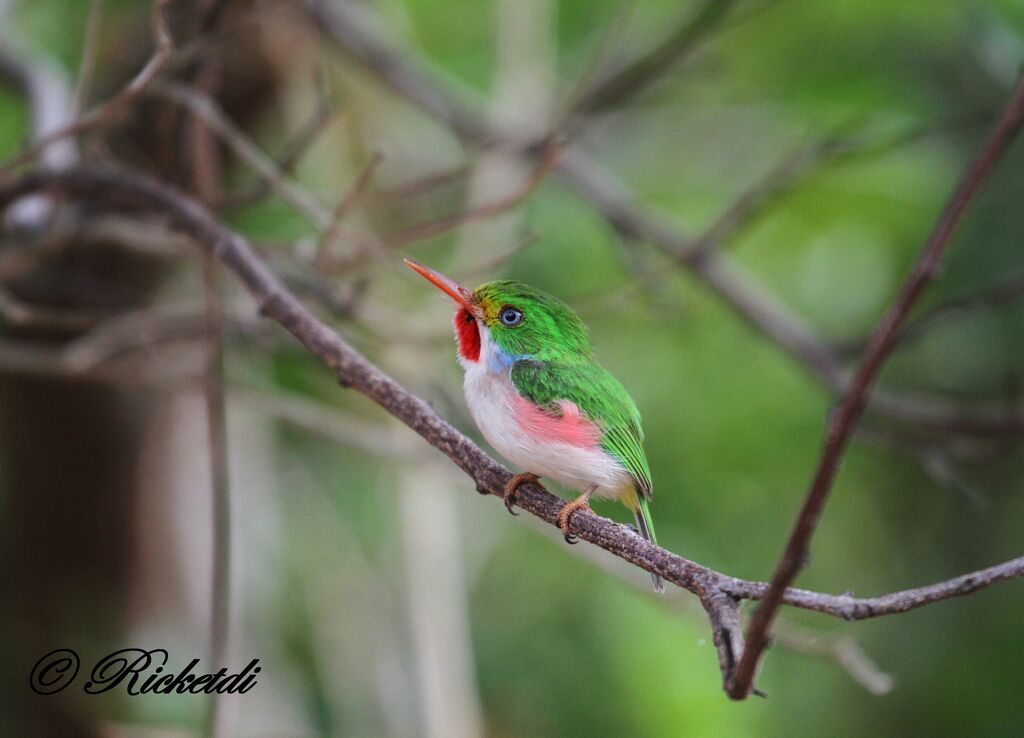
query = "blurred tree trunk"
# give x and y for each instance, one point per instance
(72, 446)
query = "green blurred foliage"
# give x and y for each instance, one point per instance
(733, 425)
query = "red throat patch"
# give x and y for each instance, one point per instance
(468, 334)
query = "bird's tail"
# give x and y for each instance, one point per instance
(646, 528)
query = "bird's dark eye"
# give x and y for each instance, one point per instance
(510, 317)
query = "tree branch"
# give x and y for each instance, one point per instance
(841, 426)
(719, 593)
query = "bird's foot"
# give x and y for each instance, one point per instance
(565, 515)
(513, 486)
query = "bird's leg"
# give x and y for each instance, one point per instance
(513, 485)
(583, 501)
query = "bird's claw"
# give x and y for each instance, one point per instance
(512, 486)
(566, 513)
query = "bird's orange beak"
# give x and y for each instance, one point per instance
(450, 287)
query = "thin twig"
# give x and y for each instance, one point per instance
(125, 350)
(628, 82)
(552, 150)
(844, 650)
(90, 47)
(133, 333)
(595, 70)
(843, 423)
(935, 458)
(216, 424)
(205, 107)
(288, 159)
(796, 167)
(345, 206)
(146, 236)
(743, 210)
(1000, 294)
(105, 111)
(421, 185)
(16, 311)
(206, 169)
(499, 257)
(354, 28)
(330, 422)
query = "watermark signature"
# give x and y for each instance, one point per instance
(137, 671)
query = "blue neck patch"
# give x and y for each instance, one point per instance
(500, 361)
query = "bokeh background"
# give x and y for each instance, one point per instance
(383, 596)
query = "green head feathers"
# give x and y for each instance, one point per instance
(524, 321)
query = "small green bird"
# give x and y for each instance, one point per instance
(538, 396)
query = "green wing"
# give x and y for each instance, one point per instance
(600, 397)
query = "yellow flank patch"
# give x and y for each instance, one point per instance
(628, 497)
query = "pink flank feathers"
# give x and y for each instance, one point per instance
(569, 427)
